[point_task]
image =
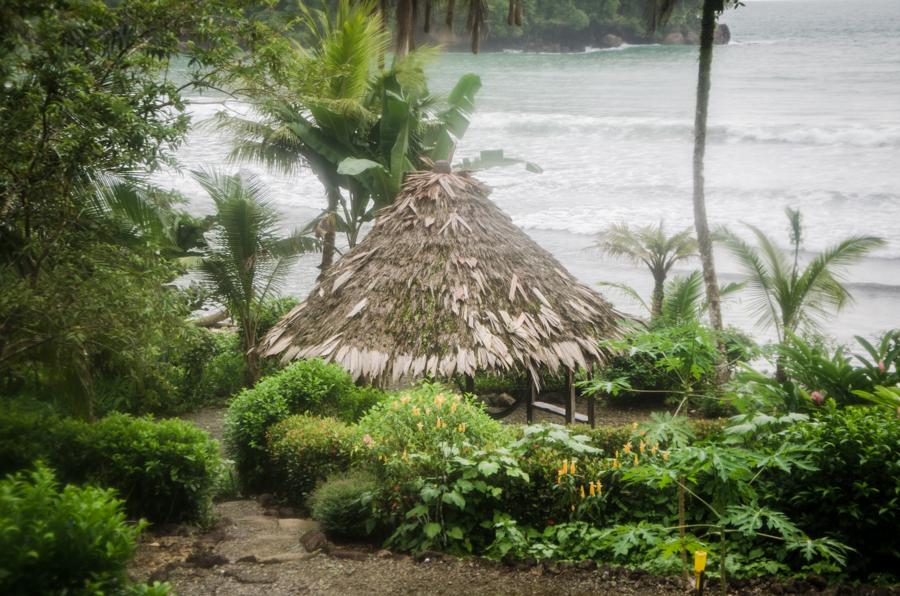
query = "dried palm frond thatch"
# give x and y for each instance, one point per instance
(446, 284)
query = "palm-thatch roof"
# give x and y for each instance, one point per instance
(446, 284)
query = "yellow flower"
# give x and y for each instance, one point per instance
(404, 456)
(405, 399)
(642, 446)
(617, 454)
(626, 448)
(453, 406)
(572, 469)
(635, 459)
(634, 426)
(462, 427)
(582, 491)
(593, 490)
(654, 449)
(420, 426)
(599, 488)
(565, 467)
(439, 400)
(665, 455)
(615, 464)
(439, 423)
(416, 411)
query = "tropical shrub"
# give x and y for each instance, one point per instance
(303, 450)
(425, 419)
(164, 470)
(307, 386)
(852, 492)
(222, 371)
(61, 540)
(343, 505)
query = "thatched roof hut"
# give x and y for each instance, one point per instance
(445, 284)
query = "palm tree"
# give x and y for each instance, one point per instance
(658, 13)
(317, 116)
(651, 246)
(407, 11)
(247, 259)
(786, 295)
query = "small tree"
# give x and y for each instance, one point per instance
(786, 295)
(247, 259)
(651, 246)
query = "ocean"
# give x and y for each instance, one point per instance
(804, 113)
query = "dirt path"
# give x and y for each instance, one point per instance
(249, 553)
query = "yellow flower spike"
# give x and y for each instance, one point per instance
(453, 406)
(572, 469)
(565, 466)
(654, 449)
(405, 399)
(634, 425)
(462, 427)
(593, 491)
(642, 446)
(626, 448)
(582, 491)
(420, 426)
(599, 488)
(439, 423)
(439, 400)
(428, 410)
(573, 507)
(635, 459)
(665, 455)
(416, 411)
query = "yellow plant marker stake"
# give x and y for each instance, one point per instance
(699, 568)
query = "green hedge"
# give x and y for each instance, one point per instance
(343, 505)
(164, 470)
(853, 494)
(308, 386)
(304, 450)
(61, 541)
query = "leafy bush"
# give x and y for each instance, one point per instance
(222, 371)
(307, 386)
(852, 493)
(343, 505)
(304, 450)
(164, 470)
(56, 541)
(424, 419)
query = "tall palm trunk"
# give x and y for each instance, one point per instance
(405, 30)
(329, 229)
(704, 241)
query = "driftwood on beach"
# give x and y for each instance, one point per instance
(446, 284)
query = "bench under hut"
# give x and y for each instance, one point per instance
(446, 285)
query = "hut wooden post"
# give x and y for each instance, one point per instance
(532, 397)
(570, 399)
(470, 384)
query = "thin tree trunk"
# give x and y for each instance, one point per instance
(704, 241)
(328, 229)
(251, 356)
(405, 26)
(656, 301)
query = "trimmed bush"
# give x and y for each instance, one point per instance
(307, 386)
(305, 450)
(164, 470)
(853, 495)
(343, 505)
(59, 541)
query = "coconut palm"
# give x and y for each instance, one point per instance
(247, 259)
(658, 13)
(651, 246)
(786, 294)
